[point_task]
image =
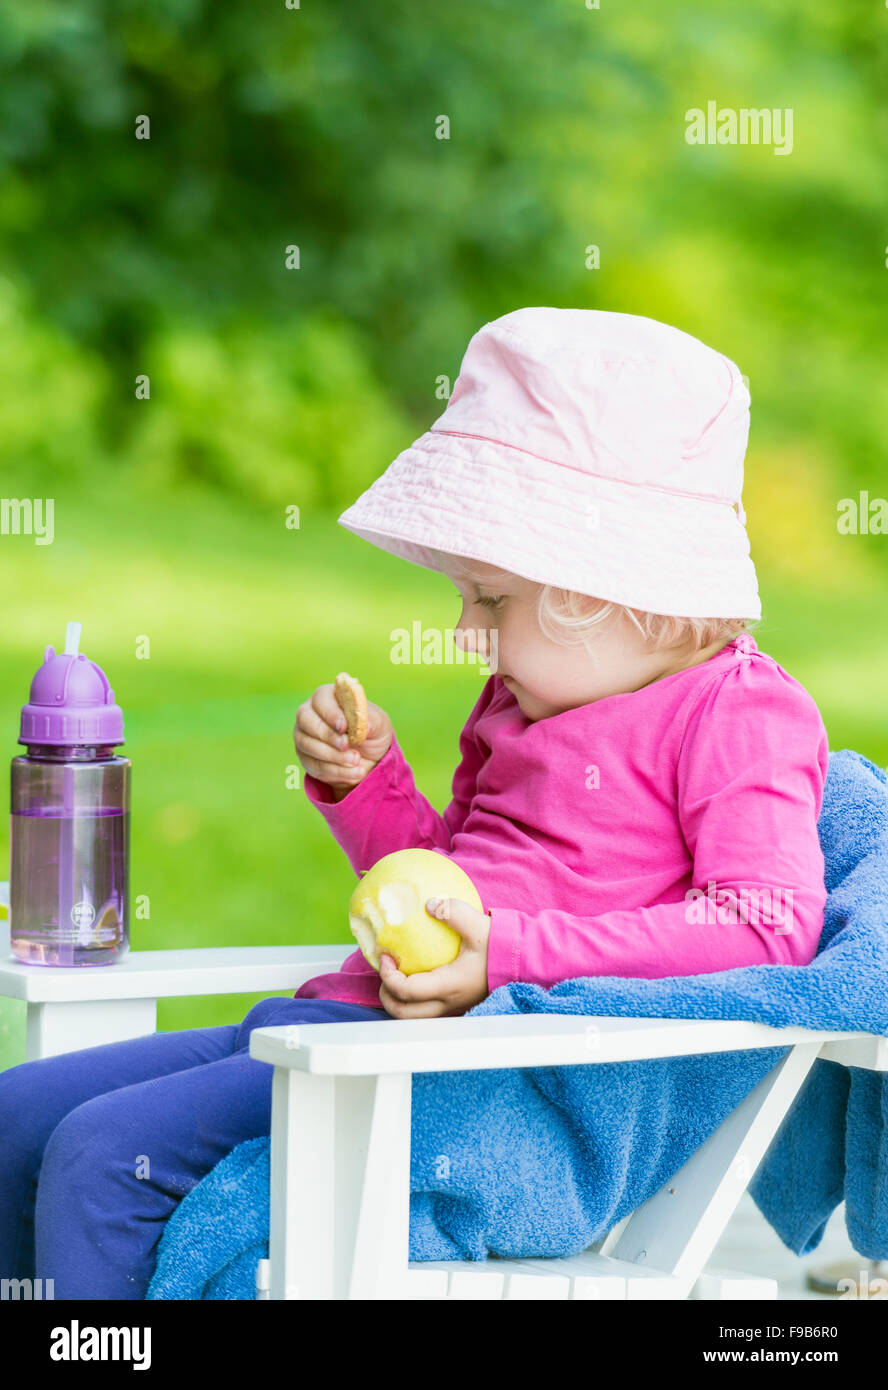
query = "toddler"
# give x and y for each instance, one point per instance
(638, 786)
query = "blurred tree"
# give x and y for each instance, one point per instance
(317, 128)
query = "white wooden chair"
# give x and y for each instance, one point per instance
(340, 1127)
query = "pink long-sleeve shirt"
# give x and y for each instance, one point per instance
(587, 833)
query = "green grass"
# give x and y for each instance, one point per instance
(245, 619)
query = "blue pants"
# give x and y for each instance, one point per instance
(98, 1147)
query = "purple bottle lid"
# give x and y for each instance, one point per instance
(71, 701)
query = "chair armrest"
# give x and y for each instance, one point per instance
(507, 1040)
(162, 974)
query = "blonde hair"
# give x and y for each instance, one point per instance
(570, 618)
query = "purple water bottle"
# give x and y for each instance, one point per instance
(69, 833)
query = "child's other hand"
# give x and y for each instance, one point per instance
(451, 989)
(322, 745)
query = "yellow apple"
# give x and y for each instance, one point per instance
(387, 909)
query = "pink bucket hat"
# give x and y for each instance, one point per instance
(595, 451)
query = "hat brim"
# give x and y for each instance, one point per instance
(652, 549)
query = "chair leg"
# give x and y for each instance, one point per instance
(381, 1247)
(340, 1188)
(676, 1230)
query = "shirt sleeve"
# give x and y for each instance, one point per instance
(386, 812)
(749, 785)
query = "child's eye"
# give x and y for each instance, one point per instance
(491, 600)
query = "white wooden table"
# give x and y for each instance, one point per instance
(74, 1008)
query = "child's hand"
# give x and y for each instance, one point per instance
(322, 744)
(451, 989)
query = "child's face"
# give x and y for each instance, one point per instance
(547, 677)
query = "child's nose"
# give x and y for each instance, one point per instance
(466, 638)
(481, 642)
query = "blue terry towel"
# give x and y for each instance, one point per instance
(545, 1160)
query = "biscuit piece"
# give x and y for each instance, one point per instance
(352, 701)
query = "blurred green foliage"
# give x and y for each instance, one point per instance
(270, 386)
(316, 127)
